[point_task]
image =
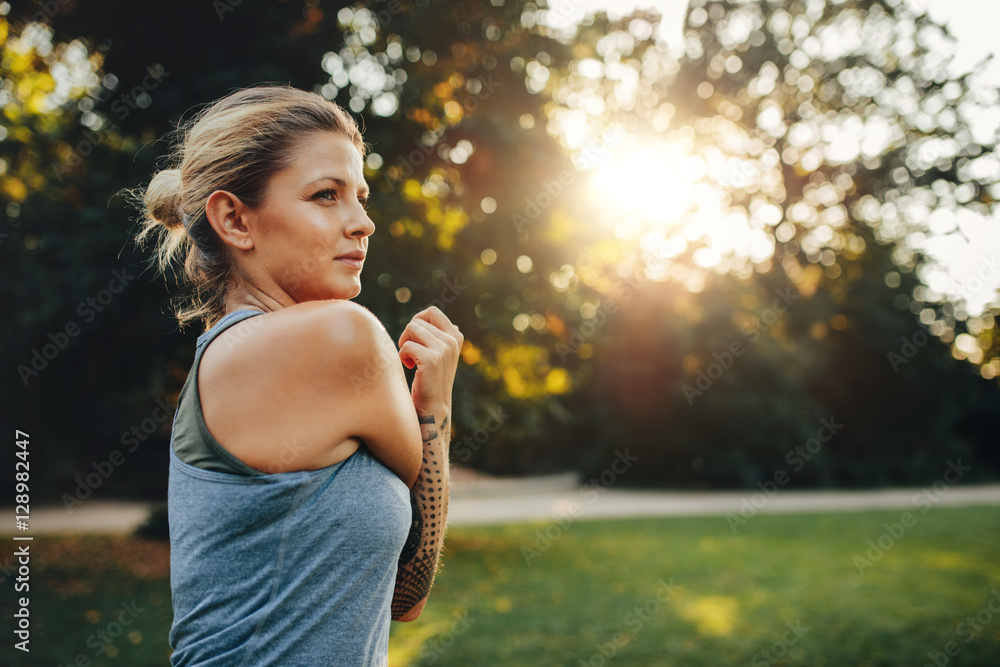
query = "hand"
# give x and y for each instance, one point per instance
(431, 343)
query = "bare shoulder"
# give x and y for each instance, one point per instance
(333, 348)
(280, 383)
(310, 332)
(336, 320)
(333, 334)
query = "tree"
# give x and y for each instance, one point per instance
(586, 311)
(755, 107)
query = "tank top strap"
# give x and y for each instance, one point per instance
(191, 441)
(227, 320)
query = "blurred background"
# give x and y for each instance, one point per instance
(754, 244)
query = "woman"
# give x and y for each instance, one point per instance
(308, 486)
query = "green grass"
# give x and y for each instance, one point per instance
(735, 593)
(597, 584)
(78, 585)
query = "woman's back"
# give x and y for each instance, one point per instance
(296, 568)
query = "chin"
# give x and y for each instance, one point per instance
(344, 292)
(336, 292)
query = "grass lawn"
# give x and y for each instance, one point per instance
(785, 590)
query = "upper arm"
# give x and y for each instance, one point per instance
(362, 371)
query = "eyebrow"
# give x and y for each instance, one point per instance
(341, 182)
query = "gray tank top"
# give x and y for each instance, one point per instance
(293, 568)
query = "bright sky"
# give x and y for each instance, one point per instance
(972, 22)
(967, 269)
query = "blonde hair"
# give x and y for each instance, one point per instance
(235, 144)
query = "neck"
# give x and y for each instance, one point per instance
(249, 297)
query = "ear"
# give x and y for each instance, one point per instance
(231, 219)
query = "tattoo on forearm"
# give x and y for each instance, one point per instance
(418, 561)
(412, 544)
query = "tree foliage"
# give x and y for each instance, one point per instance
(605, 218)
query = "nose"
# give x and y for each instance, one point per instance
(361, 225)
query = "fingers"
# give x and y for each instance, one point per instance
(423, 341)
(419, 331)
(433, 315)
(411, 354)
(431, 322)
(432, 343)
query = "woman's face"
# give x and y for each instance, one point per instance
(313, 213)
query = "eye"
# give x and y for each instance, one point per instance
(328, 195)
(365, 201)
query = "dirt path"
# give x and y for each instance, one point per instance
(484, 501)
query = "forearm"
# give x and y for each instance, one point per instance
(418, 563)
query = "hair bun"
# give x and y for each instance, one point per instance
(163, 198)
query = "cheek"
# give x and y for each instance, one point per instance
(289, 248)
(317, 229)
(292, 235)
(301, 243)
(316, 247)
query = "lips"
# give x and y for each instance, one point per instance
(355, 259)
